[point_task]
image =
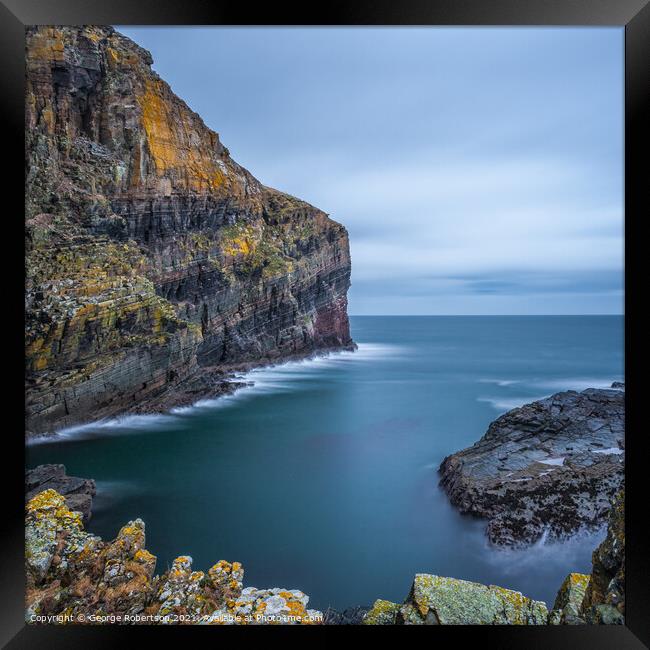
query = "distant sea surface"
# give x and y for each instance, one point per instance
(323, 476)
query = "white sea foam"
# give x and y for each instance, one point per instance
(508, 402)
(575, 383)
(123, 424)
(545, 552)
(288, 376)
(503, 404)
(500, 382)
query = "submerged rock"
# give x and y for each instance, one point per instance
(548, 468)
(435, 600)
(78, 492)
(76, 577)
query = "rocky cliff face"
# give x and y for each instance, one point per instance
(153, 258)
(604, 600)
(550, 467)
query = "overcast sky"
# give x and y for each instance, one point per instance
(478, 170)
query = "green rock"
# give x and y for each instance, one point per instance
(383, 612)
(567, 606)
(436, 600)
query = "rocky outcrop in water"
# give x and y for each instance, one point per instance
(75, 577)
(548, 468)
(153, 258)
(77, 492)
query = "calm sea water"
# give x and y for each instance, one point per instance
(323, 476)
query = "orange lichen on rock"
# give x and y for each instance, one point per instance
(74, 574)
(174, 145)
(46, 45)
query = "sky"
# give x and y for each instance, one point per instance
(477, 170)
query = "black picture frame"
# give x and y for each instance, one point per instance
(633, 15)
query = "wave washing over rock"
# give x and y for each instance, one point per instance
(156, 264)
(545, 470)
(598, 598)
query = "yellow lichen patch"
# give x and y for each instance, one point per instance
(95, 37)
(47, 116)
(143, 556)
(47, 500)
(579, 579)
(115, 58)
(383, 612)
(171, 142)
(46, 44)
(51, 505)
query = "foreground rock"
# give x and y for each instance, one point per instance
(75, 577)
(435, 600)
(548, 468)
(567, 609)
(78, 492)
(349, 616)
(151, 255)
(604, 600)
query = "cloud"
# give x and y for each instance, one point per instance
(477, 170)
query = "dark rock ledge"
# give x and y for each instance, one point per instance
(549, 468)
(77, 492)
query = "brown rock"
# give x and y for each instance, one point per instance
(151, 254)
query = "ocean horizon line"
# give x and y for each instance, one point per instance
(483, 315)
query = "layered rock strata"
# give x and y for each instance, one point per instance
(548, 468)
(75, 577)
(153, 258)
(77, 492)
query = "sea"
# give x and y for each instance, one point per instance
(323, 475)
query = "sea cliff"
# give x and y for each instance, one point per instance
(155, 263)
